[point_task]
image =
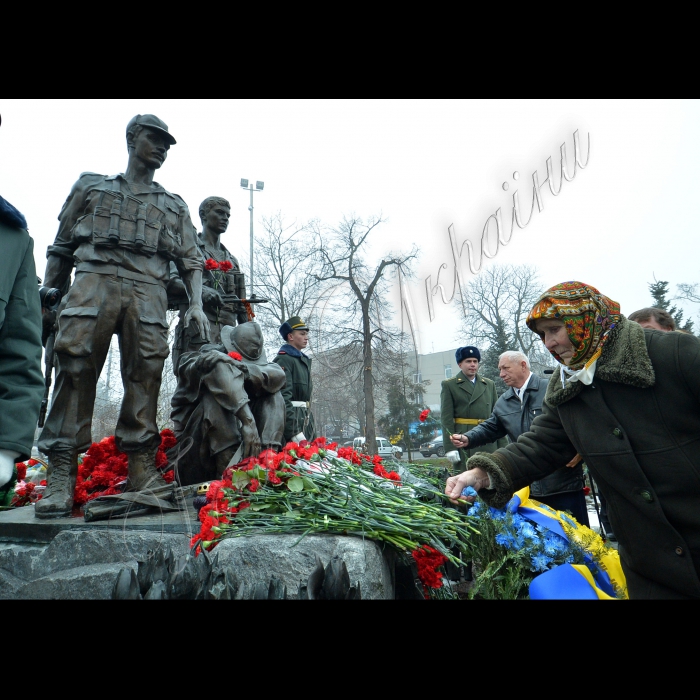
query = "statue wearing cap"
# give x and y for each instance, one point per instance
(120, 233)
(230, 408)
(299, 423)
(466, 400)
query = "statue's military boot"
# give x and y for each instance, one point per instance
(221, 460)
(142, 472)
(61, 473)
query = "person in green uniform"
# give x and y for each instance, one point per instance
(299, 422)
(467, 400)
(21, 381)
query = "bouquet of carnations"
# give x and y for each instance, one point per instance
(317, 488)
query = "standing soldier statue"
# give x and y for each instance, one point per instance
(120, 233)
(299, 423)
(223, 283)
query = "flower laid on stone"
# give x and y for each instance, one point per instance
(316, 489)
(235, 355)
(514, 548)
(26, 492)
(26, 486)
(429, 560)
(103, 469)
(211, 264)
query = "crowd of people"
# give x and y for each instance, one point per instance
(624, 399)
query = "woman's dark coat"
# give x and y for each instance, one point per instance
(637, 426)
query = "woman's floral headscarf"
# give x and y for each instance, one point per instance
(587, 314)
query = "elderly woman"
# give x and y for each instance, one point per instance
(627, 399)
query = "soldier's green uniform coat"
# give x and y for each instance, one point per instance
(21, 379)
(459, 398)
(297, 368)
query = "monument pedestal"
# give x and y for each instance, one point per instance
(69, 559)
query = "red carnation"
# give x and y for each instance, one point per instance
(167, 439)
(235, 355)
(225, 266)
(22, 470)
(213, 491)
(428, 560)
(211, 264)
(424, 415)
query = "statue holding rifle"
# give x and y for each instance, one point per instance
(223, 283)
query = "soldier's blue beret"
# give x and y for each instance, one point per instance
(467, 352)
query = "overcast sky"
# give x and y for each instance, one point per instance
(423, 165)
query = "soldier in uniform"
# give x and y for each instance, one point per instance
(120, 233)
(21, 381)
(297, 391)
(222, 276)
(467, 400)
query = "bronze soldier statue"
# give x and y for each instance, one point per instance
(217, 390)
(120, 233)
(222, 282)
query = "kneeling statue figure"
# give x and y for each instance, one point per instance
(222, 401)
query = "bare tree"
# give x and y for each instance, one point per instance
(359, 300)
(286, 260)
(337, 399)
(498, 300)
(689, 292)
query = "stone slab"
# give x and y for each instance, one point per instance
(92, 582)
(20, 524)
(257, 558)
(75, 548)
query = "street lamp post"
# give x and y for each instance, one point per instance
(258, 188)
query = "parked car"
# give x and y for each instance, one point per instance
(384, 447)
(434, 447)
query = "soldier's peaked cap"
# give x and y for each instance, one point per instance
(152, 122)
(292, 324)
(467, 352)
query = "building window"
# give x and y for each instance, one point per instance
(448, 372)
(417, 378)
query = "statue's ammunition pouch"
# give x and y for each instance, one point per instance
(115, 219)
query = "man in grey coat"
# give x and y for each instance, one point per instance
(512, 416)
